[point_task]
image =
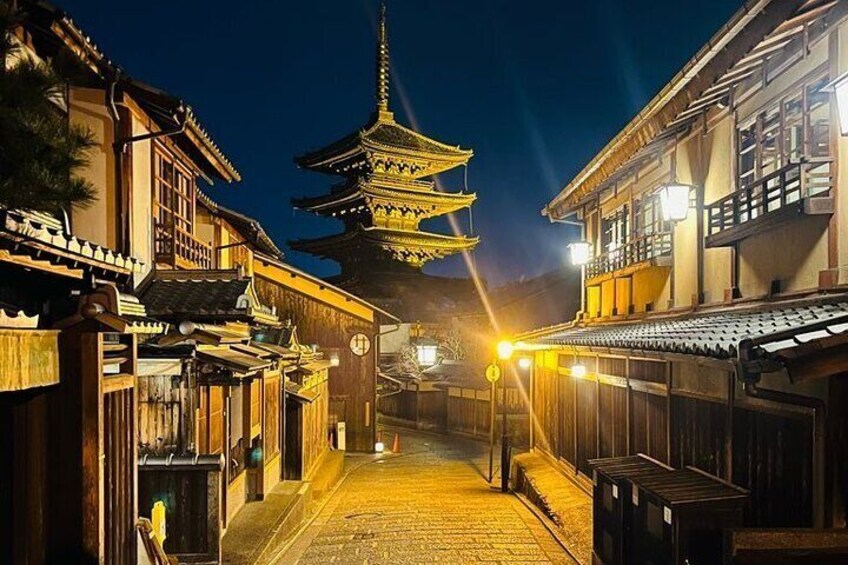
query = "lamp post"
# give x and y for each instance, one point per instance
(504, 354)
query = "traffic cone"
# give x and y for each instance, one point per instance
(396, 444)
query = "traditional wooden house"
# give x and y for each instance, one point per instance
(346, 327)
(67, 386)
(214, 385)
(712, 330)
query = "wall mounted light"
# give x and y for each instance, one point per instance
(578, 371)
(674, 201)
(427, 355)
(581, 252)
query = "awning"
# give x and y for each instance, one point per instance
(28, 358)
(765, 332)
(224, 356)
(313, 366)
(279, 350)
(301, 394)
(209, 334)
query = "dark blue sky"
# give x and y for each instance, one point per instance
(535, 87)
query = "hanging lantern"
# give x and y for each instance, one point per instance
(674, 201)
(581, 252)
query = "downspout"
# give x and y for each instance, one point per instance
(815, 406)
(582, 224)
(377, 336)
(118, 148)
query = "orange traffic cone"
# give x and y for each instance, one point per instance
(396, 444)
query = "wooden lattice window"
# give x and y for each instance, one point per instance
(792, 129)
(173, 191)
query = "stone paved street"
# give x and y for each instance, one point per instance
(430, 505)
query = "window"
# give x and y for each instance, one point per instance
(615, 230)
(648, 217)
(173, 190)
(792, 130)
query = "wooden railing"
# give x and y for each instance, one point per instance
(176, 247)
(769, 194)
(638, 250)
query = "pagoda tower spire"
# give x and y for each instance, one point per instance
(386, 191)
(382, 64)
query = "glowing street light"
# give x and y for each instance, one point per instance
(581, 253)
(578, 371)
(505, 350)
(525, 363)
(674, 201)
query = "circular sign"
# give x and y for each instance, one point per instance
(493, 373)
(360, 344)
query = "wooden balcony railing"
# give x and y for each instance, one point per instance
(769, 200)
(641, 249)
(180, 249)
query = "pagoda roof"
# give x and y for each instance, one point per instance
(402, 192)
(411, 246)
(384, 138)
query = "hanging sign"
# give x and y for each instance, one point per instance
(360, 344)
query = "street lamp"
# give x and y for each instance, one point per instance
(581, 253)
(578, 371)
(505, 350)
(674, 201)
(525, 363)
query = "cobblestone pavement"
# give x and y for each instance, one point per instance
(430, 505)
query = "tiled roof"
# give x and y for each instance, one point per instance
(41, 233)
(767, 330)
(248, 227)
(194, 295)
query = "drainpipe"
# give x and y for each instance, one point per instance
(814, 406)
(120, 189)
(376, 348)
(582, 225)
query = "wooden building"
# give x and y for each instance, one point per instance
(713, 329)
(345, 326)
(110, 407)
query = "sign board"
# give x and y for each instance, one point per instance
(360, 344)
(493, 373)
(341, 436)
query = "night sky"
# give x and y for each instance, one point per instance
(535, 87)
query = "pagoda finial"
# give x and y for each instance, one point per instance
(382, 64)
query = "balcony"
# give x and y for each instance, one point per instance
(179, 249)
(646, 249)
(798, 189)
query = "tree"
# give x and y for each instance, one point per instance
(40, 152)
(451, 346)
(407, 362)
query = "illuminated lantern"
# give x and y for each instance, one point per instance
(674, 201)
(427, 355)
(525, 363)
(581, 252)
(578, 371)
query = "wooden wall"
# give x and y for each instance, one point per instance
(634, 406)
(352, 385)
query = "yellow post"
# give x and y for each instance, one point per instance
(158, 519)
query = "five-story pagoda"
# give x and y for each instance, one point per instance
(383, 197)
